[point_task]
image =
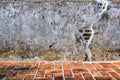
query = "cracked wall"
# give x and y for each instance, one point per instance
(35, 29)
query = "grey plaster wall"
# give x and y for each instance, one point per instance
(52, 26)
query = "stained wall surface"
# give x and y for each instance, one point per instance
(47, 30)
(116, 1)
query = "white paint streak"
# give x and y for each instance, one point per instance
(96, 18)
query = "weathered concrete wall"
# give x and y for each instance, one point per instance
(34, 28)
(116, 1)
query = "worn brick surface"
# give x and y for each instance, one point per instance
(76, 65)
(115, 75)
(117, 64)
(67, 73)
(105, 76)
(60, 71)
(87, 76)
(58, 65)
(80, 70)
(96, 65)
(40, 74)
(29, 77)
(88, 65)
(66, 65)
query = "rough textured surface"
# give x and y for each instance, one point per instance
(30, 29)
(60, 70)
(116, 1)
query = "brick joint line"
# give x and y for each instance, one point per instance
(109, 68)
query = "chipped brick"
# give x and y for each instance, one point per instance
(67, 73)
(87, 76)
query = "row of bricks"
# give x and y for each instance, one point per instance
(56, 65)
(58, 74)
(64, 70)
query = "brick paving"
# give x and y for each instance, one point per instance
(60, 70)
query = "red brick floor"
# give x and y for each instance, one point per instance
(60, 70)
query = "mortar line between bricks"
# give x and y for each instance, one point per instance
(71, 71)
(89, 72)
(52, 77)
(100, 65)
(17, 73)
(82, 73)
(110, 75)
(54, 65)
(94, 65)
(54, 69)
(114, 65)
(82, 76)
(7, 67)
(25, 75)
(96, 69)
(36, 71)
(114, 70)
(63, 71)
(9, 72)
(45, 70)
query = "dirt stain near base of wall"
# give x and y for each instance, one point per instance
(53, 55)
